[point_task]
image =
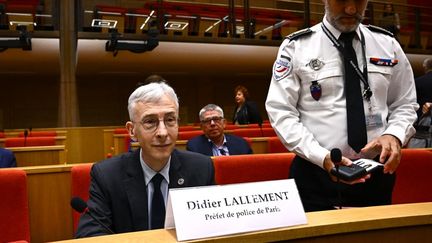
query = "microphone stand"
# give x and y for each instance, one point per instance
(338, 187)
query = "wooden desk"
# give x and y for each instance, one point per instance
(39, 155)
(400, 223)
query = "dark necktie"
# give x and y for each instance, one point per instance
(357, 135)
(222, 152)
(158, 203)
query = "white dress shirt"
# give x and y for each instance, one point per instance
(311, 128)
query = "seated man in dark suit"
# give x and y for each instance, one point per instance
(214, 142)
(7, 158)
(122, 194)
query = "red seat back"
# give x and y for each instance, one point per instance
(14, 209)
(30, 141)
(413, 179)
(254, 132)
(274, 145)
(39, 134)
(252, 167)
(121, 131)
(80, 182)
(187, 128)
(186, 135)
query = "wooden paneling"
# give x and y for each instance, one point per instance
(39, 155)
(49, 196)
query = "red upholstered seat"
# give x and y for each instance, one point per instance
(30, 141)
(187, 128)
(14, 209)
(2, 135)
(80, 182)
(413, 177)
(274, 145)
(252, 167)
(254, 132)
(186, 135)
(120, 131)
(39, 134)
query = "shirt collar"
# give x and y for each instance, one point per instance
(335, 32)
(214, 145)
(149, 173)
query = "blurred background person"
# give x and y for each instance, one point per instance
(154, 78)
(214, 142)
(424, 86)
(7, 158)
(246, 111)
(390, 20)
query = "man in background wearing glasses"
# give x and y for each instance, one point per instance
(214, 142)
(123, 195)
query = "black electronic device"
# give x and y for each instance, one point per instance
(356, 170)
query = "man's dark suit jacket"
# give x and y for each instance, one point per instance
(7, 158)
(235, 144)
(424, 90)
(118, 194)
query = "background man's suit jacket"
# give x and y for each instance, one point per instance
(7, 158)
(236, 145)
(118, 194)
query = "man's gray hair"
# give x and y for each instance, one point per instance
(210, 107)
(151, 93)
(427, 65)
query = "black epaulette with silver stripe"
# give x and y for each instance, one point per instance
(297, 34)
(379, 30)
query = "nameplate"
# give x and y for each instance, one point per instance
(201, 212)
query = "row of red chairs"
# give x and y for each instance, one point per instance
(32, 138)
(413, 184)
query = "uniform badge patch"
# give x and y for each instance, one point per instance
(315, 90)
(383, 62)
(315, 64)
(282, 67)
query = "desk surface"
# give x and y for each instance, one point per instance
(320, 224)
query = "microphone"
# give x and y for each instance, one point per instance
(26, 133)
(80, 206)
(261, 128)
(336, 156)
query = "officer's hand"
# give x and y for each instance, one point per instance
(426, 108)
(388, 147)
(328, 166)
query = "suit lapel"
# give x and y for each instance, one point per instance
(136, 191)
(177, 179)
(206, 146)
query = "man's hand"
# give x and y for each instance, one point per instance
(426, 108)
(388, 147)
(328, 166)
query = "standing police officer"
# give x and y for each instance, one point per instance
(318, 82)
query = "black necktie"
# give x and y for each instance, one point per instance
(158, 203)
(222, 152)
(357, 135)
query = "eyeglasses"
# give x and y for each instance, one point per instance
(151, 124)
(215, 119)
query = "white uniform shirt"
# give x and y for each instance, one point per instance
(311, 128)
